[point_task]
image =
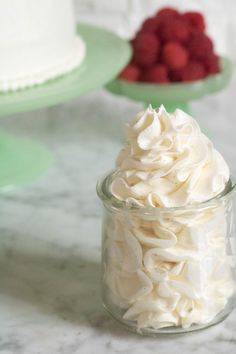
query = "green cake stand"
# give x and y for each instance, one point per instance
(173, 95)
(21, 161)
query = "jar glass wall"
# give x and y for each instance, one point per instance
(168, 270)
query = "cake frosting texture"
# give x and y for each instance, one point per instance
(168, 162)
(38, 42)
(167, 261)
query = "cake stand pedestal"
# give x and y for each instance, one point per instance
(21, 161)
(173, 95)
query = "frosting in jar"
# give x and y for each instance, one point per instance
(168, 162)
(169, 268)
(171, 271)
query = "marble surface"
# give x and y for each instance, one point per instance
(50, 234)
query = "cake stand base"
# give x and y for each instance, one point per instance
(21, 161)
(175, 95)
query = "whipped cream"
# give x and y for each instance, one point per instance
(170, 268)
(168, 162)
(173, 271)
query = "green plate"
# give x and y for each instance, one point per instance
(173, 95)
(21, 161)
(106, 55)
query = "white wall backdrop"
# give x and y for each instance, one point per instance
(124, 16)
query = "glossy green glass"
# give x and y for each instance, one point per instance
(21, 161)
(173, 95)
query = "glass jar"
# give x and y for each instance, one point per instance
(168, 270)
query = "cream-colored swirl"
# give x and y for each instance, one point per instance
(173, 268)
(161, 276)
(168, 162)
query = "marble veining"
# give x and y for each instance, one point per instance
(50, 235)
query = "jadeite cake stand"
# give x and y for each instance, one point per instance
(21, 161)
(173, 95)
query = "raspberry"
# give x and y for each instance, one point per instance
(200, 46)
(193, 71)
(150, 25)
(164, 17)
(175, 75)
(195, 20)
(144, 41)
(132, 42)
(174, 55)
(167, 13)
(146, 49)
(175, 31)
(212, 64)
(156, 74)
(130, 73)
(144, 60)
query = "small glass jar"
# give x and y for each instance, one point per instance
(168, 270)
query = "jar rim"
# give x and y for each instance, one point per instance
(110, 200)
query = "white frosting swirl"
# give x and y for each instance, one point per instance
(162, 274)
(168, 162)
(171, 269)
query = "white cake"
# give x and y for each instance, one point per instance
(38, 42)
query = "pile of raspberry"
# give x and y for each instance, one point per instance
(172, 47)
